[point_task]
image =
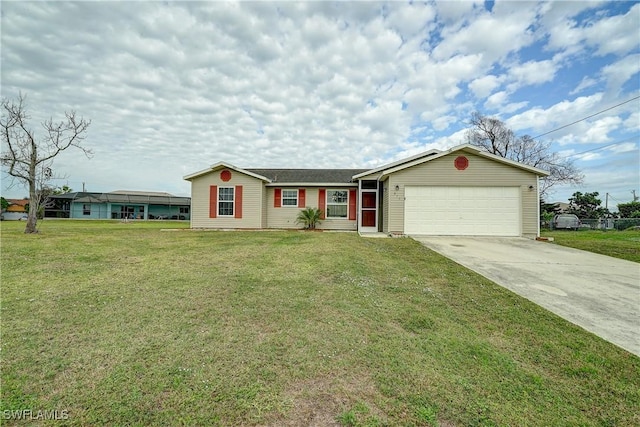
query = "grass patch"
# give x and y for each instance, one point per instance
(615, 243)
(123, 324)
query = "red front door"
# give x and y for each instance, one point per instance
(368, 205)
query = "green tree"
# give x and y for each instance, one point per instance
(629, 210)
(62, 190)
(5, 203)
(586, 206)
(309, 217)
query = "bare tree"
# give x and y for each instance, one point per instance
(493, 136)
(29, 160)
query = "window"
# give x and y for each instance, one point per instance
(126, 212)
(225, 201)
(289, 197)
(86, 209)
(184, 209)
(337, 203)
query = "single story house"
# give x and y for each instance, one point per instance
(17, 210)
(461, 191)
(118, 205)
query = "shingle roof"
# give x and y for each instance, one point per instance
(19, 202)
(316, 176)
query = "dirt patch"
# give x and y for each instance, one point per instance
(319, 401)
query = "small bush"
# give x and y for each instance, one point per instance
(309, 217)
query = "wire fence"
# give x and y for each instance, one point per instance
(604, 224)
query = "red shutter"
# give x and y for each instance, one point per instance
(352, 204)
(277, 198)
(301, 198)
(213, 201)
(322, 202)
(238, 201)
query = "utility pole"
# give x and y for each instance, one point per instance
(606, 202)
(635, 198)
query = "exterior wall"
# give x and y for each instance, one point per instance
(285, 216)
(252, 201)
(112, 210)
(481, 172)
(97, 211)
(13, 216)
(16, 208)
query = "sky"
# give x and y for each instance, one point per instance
(174, 87)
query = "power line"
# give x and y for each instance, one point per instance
(605, 146)
(588, 117)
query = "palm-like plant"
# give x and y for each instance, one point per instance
(309, 217)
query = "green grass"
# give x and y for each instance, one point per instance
(124, 324)
(619, 244)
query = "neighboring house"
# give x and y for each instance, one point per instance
(17, 210)
(118, 205)
(461, 191)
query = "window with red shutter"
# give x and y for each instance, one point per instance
(213, 201)
(352, 204)
(277, 198)
(322, 202)
(238, 202)
(301, 198)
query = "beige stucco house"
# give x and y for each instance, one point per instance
(461, 191)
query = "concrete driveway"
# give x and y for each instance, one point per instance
(597, 292)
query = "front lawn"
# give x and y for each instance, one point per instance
(615, 243)
(125, 324)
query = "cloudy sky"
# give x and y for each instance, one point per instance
(173, 87)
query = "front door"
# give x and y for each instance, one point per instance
(369, 207)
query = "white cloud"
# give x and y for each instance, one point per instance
(494, 35)
(618, 73)
(585, 83)
(626, 147)
(174, 87)
(485, 85)
(544, 119)
(533, 72)
(411, 20)
(453, 11)
(617, 34)
(496, 100)
(599, 130)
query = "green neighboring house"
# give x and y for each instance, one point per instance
(119, 205)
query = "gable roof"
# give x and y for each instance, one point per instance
(274, 177)
(397, 163)
(287, 176)
(224, 165)
(436, 154)
(308, 176)
(18, 202)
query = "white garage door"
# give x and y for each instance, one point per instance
(462, 211)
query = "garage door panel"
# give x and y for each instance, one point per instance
(476, 211)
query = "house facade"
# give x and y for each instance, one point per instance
(17, 210)
(118, 205)
(461, 191)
